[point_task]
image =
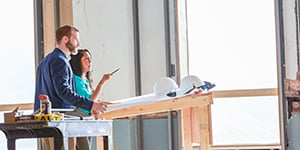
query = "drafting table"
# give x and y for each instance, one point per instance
(195, 115)
(59, 130)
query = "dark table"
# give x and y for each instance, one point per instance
(59, 130)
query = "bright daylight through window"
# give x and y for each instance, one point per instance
(232, 44)
(17, 61)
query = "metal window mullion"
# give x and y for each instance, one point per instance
(281, 71)
(136, 40)
(169, 70)
(39, 40)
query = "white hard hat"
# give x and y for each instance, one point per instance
(163, 86)
(189, 83)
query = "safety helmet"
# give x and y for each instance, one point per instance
(190, 83)
(165, 86)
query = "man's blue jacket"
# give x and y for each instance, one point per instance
(55, 78)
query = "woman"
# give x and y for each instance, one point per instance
(81, 64)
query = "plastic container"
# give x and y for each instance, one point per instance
(45, 106)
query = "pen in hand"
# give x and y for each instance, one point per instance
(115, 71)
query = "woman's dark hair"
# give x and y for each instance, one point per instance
(76, 63)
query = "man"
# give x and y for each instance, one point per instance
(55, 77)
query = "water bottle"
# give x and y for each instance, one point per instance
(45, 105)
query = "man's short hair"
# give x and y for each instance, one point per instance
(64, 30)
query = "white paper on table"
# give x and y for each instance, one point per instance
(139, 100)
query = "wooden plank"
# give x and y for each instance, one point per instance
(48, 26)
(186, 130)
(245, 93)
(195, 117)
(210, 125)
(11, 107)
(66, 12)
(248, 146)
(166, 105)
(201, 126)
(204, 125)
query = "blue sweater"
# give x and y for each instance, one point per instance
(83, 88)
(55, 78)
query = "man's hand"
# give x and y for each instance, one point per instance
(98, 108)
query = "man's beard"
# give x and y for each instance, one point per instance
(73, 49)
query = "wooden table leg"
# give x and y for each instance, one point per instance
(196, 127)
(186, 129)
(204, 115)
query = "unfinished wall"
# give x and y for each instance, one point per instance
(106, 29)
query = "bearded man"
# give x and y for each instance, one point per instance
(55, 77)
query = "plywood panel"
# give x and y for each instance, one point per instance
(186, 130)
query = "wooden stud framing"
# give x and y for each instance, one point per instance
(186, 129)
(199, 126)
(245, 93)
(65, 12)
(48, 26)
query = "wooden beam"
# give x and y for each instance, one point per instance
(11, 107)
(167, 105)
(65, 12)
(186, 130)
(65, 17)
(48, 26)
(245, 93)
(247, 146)
(204, 126)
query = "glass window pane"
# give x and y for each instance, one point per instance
(17, 59)
(232, 43)
(17, 51)
(247, 120)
